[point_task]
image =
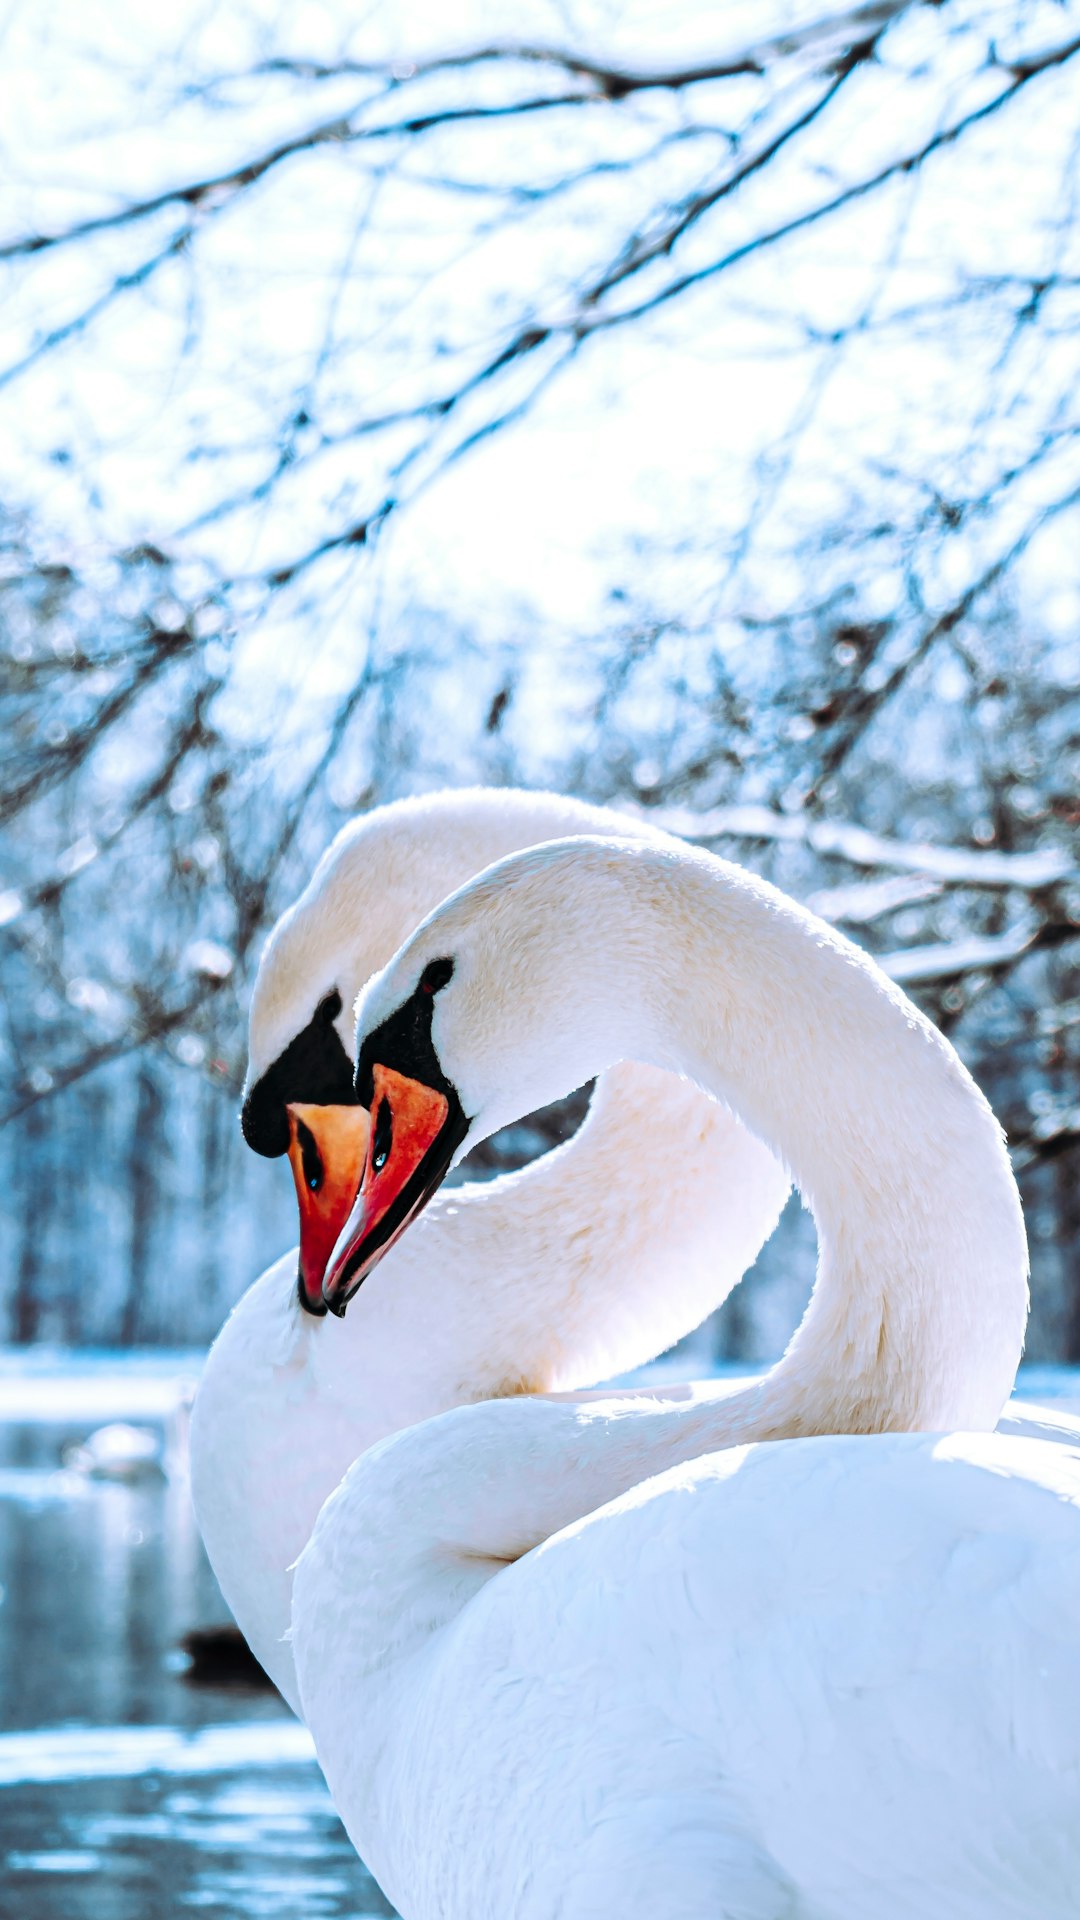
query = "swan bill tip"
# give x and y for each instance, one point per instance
(315, 1305)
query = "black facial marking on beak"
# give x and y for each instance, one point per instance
(404, 1040)
(314, 1067)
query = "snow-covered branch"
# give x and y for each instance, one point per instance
(949, 959)
(959, 866)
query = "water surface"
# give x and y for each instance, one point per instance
(127, 1793)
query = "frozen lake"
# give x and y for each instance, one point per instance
(126, 1791)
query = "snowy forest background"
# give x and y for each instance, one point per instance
(677, 406)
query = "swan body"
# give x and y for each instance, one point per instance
(825, 1679)
(571, 1659)
(542, 1280)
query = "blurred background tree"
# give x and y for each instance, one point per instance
(680, 411)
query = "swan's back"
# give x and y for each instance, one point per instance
(830, 1678)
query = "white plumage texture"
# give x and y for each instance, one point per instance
(831, 1679)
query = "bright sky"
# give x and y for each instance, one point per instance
(354, 279)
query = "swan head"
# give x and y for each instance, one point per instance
(504, 999)
(378, 878)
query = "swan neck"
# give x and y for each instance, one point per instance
(561, 1274)
(918, 1312)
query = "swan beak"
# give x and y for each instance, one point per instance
(414, 1134)
(327, 1149)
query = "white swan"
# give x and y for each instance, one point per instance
(825, 1679)
(564, 1273)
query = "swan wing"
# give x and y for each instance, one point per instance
(846, 1667)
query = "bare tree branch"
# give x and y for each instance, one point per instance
(614, 82)
(51, 764)
(858, 190)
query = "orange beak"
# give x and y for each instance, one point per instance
(327, 1150)
(413, 1138)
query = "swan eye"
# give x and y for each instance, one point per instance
(310, 1158)
(435, 975)
(383, 1137)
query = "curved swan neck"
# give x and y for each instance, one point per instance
(694, 965)
(562, 1274)
(918, 1315)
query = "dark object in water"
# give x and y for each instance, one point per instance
(220, 1657)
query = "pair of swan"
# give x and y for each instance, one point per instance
(545, 1280)
(826, 1678)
